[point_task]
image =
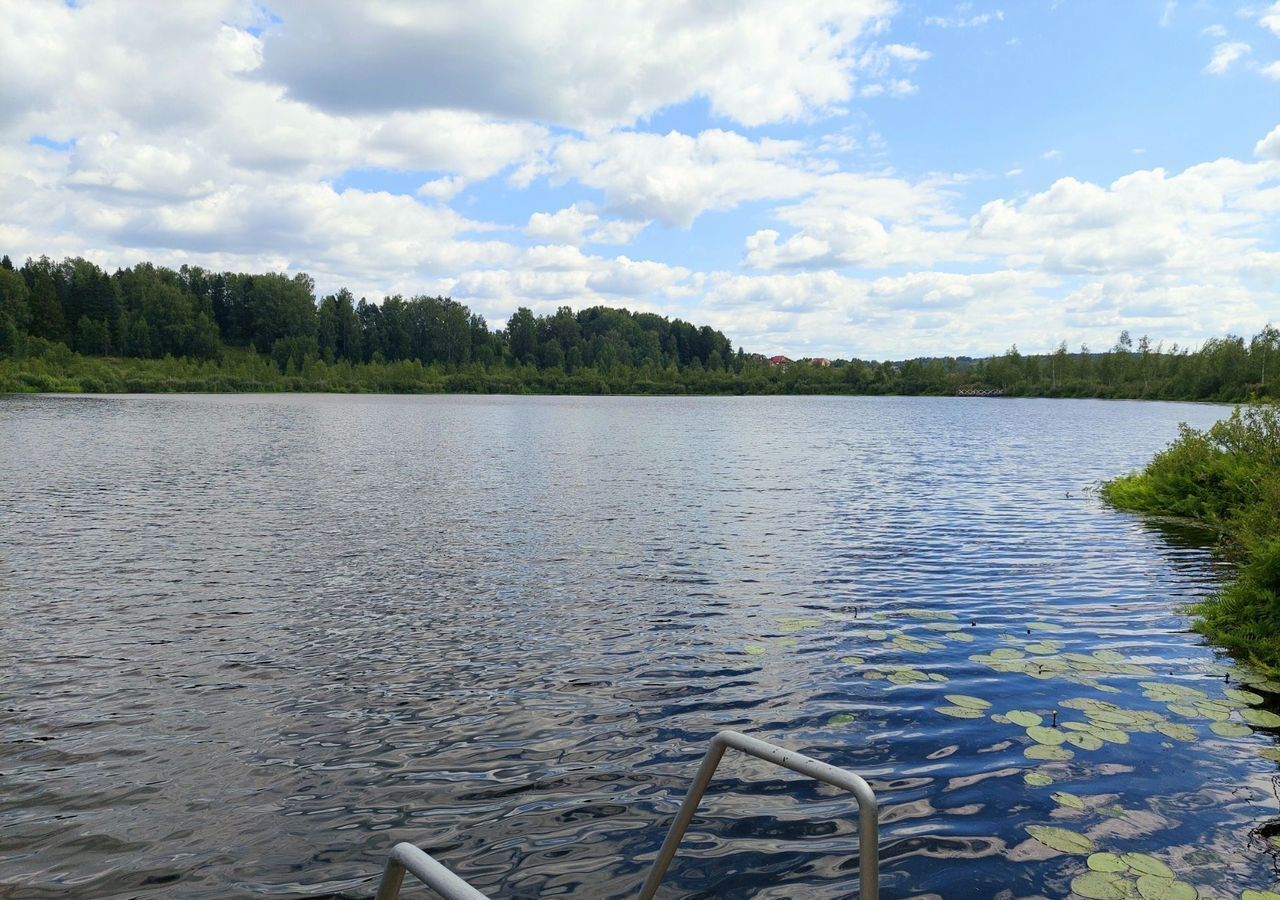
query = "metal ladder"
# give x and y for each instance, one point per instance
(406, 858)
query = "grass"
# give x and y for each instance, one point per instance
(1227, 478)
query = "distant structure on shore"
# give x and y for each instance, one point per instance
(980, 392)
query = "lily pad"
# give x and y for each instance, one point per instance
(1260, 718)
(1108, 656)
(1153, 888)
(1084, 741)
(1102, 886)
(1041, 735)
(1260, 895)
(1007, 653)
(1061, 839)
(790, 626)
(1044, 752)
(968, 702)
(1178, 732)
(1062, 798)
(938, 677)
(876, 635)
(1187, 712)
(1230, 729)
(1022, 718)
(1107, 862)
(1142, 864)
(754, 650)
(1248, 697)
(1270, 753)
(960, 712)
(1043, 626)
(962, 636)
(1037, 779)
(841, 719)
(853, 660)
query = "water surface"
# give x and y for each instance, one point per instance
(252, 642)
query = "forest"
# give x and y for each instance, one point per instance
(71, 326)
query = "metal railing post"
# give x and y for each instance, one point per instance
(868, 808)
(408, 858)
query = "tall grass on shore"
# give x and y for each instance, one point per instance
(1228, 478)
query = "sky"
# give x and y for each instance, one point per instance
(841, 178)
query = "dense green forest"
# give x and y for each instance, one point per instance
(1229, 479)
(71, 326)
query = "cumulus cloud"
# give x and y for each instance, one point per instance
(1269, 146)
(1270, 19)
(764, 62)
(1225, 56)
(576, 226)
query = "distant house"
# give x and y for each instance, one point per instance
(779, 361)
(821, 362)
(758, 357)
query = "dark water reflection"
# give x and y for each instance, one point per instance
(251, 642)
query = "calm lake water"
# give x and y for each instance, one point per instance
(249, 643)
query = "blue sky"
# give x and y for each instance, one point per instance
(815, 177)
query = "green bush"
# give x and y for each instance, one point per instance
(1228, 478)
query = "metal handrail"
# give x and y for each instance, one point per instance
(868, 808)
(406, 858)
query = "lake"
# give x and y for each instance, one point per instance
(251, 642)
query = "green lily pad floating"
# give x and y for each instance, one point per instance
(1230, 729)
(1047, 753)
(962, 636)
(943, 626)
(1084, 741)
(754, 650)
(1270, 753)
(790, 626)
(1108, 656)
(1107, 862)
(1248, 697)
(1216, 711)
(968, 702)
(1044, 648)
(876, 635)
(1061, 839)
(853, 660)
(1007, 653)
(1044, 626)
(873, 675)
(1184, 733)
(1102, 886)
(1037, 779)
(1063, 798)
(1142, 864)
(938, 677)
(1000, 719)
(960, 712)
(1260, 718)
(1050, 736)
(1022, 718)
(1153, 888)
(841, 719)
(1187, 712)
(1260, 895)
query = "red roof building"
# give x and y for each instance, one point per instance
(779, 361)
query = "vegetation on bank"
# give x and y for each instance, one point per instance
(71, 326)
(1227, 477)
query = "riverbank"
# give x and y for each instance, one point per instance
(1227, 478)
(54, 368)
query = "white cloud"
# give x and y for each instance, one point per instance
(1166, 18)
(764, 61)
(1215, 31)
(1272, 70)
(675, 178)
(1270, 19)
(1225, 56)
(1269, 146)
(576, 226)
(1052, 155)
(963, 21)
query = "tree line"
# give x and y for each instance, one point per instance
(71, 325)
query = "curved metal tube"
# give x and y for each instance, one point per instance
(408, 858)
(868, 808)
